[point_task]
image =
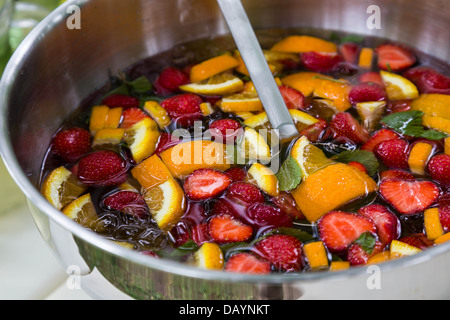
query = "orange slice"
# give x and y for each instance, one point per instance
(433, 105)
(418, 157)
(339, 266)
(443, 239)
(218, 85)
(398, 87)
(209, 256)
(262, 119)
(366, 58)
(158, 113)
(61, 187)
(206, 108)
(242, 68)
(447, 146)
(166, 203)
(82, 210)
(400, 249)
(185, 158)
(316, 255)
(242, 102)
(300, 44)
(437, 123)
(253, 146)
(98, 118)
(265, 179)
(212, 67)
(142, 139)
(151, 172)
(379, 258)
(113, 119)
(105, 138)
(433, 225)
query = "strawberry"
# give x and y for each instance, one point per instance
(200, 234)
(409, 197)
(294, 99)
(245, 193)
(429, 80)
(393, 153)
(179, 234)
(128, 202)
(396, 174)
(378, 137)
(366, 92)
(418, 240)
(170, 79)
(166, 141)
(444, 215)
(121, 101)
(268, 216)
(286, 202)
(320, 61)
(349, 52)
(398, 106)
(247, 263)
(339, 230)
(358, 165)
(357, 256)
(225, 130)
(102, 168)
(132, 116)
(204, 184)
(439, 169)
(371, 77)
(394, 57)
(195, 213)
(184, 108)
(284, 252)
(315, 131)
(227, 229)
(150, 253)
(237, 174)
(71, 144)
(387, 223)
(345, 128)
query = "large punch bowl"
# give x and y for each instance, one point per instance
(56, 67)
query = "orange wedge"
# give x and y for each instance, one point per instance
(253, 146)
(113, 118)
(103, 117)
(206, 109)
(339, 265)
(151, 172)
(379, 258)
(300, 44)
(242, 102)
(265, 179)
(316, 255)
(212, 67)
(418, 157)
(209, 256)
(437, 123)
(185, 158)
(158, 113)
(433, 225)
(447, 146)
(142, 139)
(105, 138)
(82, 210)
(398, 87)
(400, 249)
(443, 239)
(218, 85)
(366, 58)
(61, 187)
(166, 203)
(433, 105)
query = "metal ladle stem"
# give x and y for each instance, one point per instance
(259, 70)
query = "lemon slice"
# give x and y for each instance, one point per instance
(209, 256)
(265, 179)
(398, 87)
(242, 102)
(158, 113)
(61, 187)
(218, 85)
(253, 146)
(166, 203)
(309, 157)
(81, 210)
(142, 139)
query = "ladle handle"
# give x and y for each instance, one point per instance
(257, 65)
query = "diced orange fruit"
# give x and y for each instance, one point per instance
(437, 123)
(108, 137)
(209, 256)
(433, 226)
(443, 239)
(330, 188)
(158, 113)
(366, 58)
(419, 156)
(447, 146)
(379, 258)
(151, 172)
(339, 265)
(300, 44)
(185, 158)
(316, 255)
(434, 105)
(400, 249)
(212, 67)
(265, 179)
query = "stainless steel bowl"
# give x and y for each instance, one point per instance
(55, 68)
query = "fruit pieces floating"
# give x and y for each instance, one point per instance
(367, 180)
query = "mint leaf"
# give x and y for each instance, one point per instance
(141, 85)
(187, 248)
(367, 242)
(290, 174)
(366, 158)
(410, 123)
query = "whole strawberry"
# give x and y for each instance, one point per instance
(102, 168)
(320, 62)
(184, 108)
(393, 153)
(439, 169)
(71, 144)
(169, 80)
(284, 252)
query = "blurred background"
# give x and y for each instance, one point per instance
(28, 270)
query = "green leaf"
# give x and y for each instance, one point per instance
(352, 38)
(290, 174)
(367, 242)
(141, 85)
(187, 248)
(410, 123)
(366, 158)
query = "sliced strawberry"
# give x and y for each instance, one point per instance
(128, 202)
(237, 174)
(419, 240)
(444, 215)
(268, 216)
(227, 229)
(71, 144)
(132, 116)
(429, 80)
(396, 174)
(184, 108)
(349, 52)
(345, 128)
(387, 223)
(200, 234)
(320, 61)
(378, 137)
(170, 79)
(166, 141)
(315, 131)
(245, 193)
(294, 99)
(393, 153)
(102, 168)
(121, 101)
(357, 256)
(284, 252)
(225, 130)
(394, 57)
(247, 263)
(371, 77)
(287, 203)
(409, 197)
(339, 230)
(366, 92)
(204, 184)
(439, 169)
